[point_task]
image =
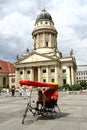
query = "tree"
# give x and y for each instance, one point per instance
(76, 87)
(83, 84)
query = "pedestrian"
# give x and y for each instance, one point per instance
(13, 91)
(80, 90)
(21, 91)
(0, 91)
(28, 92)
(7, 92)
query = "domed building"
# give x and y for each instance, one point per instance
(45, 63)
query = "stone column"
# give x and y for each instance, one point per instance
(70, 73)
(39, 73)
(72, 76)
(31, 73)
(50, 40)
(24, 73)
(37, 41)
(47, 70)
(17, 78)
(56, 73)
(44, 40)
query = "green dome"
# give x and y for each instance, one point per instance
(44, 15)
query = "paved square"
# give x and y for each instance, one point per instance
(73, 114)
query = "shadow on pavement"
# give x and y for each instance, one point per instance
(62, 114)
(28, 122)
(48, 117)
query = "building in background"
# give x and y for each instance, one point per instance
(7, 74)
(81, 74)
(45, 63)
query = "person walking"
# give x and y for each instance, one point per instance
(28, 92)
(7, 92)
(13, 92)
(21, 91)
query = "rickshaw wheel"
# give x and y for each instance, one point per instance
(56, 112)
(34, 111)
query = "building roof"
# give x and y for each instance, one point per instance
(44, 15)
(6, 67)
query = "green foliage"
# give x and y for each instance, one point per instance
(76, 87)
(60, 88)
(84, 85)
(65, 87)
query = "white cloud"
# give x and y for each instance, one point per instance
(17, 20)
(15, 24)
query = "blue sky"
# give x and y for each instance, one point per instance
(17, 18)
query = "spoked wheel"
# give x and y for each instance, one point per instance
(33, 111)
(56, 112)
(44, 114)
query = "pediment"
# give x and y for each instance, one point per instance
(35, 58)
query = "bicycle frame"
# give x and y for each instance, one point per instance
(53, 111)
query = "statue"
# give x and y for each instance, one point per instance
(17, 57)
(27, 50)
(71, 52)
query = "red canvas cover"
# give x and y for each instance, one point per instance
(38, 84)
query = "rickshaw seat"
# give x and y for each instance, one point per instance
(51, 104)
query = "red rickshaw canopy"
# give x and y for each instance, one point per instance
(38, 84)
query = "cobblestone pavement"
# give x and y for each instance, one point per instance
(73, 114)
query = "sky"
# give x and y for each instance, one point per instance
(17, 19)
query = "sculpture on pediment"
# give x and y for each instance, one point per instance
(71, 52)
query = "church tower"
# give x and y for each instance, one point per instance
(44, 33)
(45, 63)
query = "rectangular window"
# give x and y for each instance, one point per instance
(52, 80)
(52, 70)
(21, 72)
(4, 81)
(44, 80)
(13, 80)
(44, 71)
(64, 81)
(28, 72)
(64, 71)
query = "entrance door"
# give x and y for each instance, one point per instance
(36, 73)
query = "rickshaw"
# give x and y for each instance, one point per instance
(51, 110)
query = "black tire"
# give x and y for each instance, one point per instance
(56, 112)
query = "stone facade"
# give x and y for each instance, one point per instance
(81, 74)
(45, 63)
(7, 74)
